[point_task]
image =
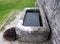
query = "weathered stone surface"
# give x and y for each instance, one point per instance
(34, 36)
(52, 10)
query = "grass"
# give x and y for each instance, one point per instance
(6, 6)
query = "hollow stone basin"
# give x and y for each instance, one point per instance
(32, 26)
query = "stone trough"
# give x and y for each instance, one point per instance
(32, 26)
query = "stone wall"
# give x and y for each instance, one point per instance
(52, 11)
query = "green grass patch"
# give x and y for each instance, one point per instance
(7, 6)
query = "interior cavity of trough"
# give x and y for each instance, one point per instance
(32, 18)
